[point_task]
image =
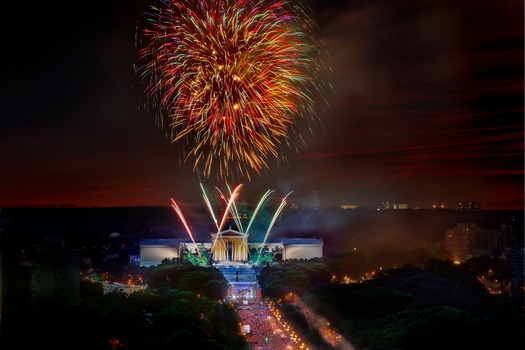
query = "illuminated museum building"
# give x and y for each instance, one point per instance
(231, 246)
(230, 253)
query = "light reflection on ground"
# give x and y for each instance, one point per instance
(329, 334)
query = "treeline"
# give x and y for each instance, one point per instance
(181, 308)
(436, 306)
(432, 305)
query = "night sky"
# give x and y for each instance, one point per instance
(428, 109)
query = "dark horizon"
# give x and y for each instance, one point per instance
(371, 228)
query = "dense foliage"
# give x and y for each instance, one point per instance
(293, 276)
(203, 281)
(192, 315)
(437, 306)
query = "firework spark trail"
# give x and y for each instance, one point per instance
(235, 213)
(226, 211)
(261, 201)
(208, 204)
(259, 205)
(179, 213)
(219, 226)
(232, 209)
(232, 78)
(277, 212)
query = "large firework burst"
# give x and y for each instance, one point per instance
(231, 80)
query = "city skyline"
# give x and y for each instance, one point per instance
(428, 109)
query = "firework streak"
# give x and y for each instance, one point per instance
(231, 80)
(176, 208)
(277, 212)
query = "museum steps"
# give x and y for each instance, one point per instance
(237, 272)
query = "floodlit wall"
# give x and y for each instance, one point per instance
(153, 255)
(297, 251)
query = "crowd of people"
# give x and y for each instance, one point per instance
(266, 331)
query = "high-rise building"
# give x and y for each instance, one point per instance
(512, 253)
(55, 278)
(469, 206)
(467, 240)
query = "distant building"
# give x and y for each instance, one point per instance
(388, 205)
(469, 206)
(55, 272)
(513, 258)
(467, 240)
(511, 252)
(348, 206)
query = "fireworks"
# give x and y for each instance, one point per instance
(232, 80)
(231, 211)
